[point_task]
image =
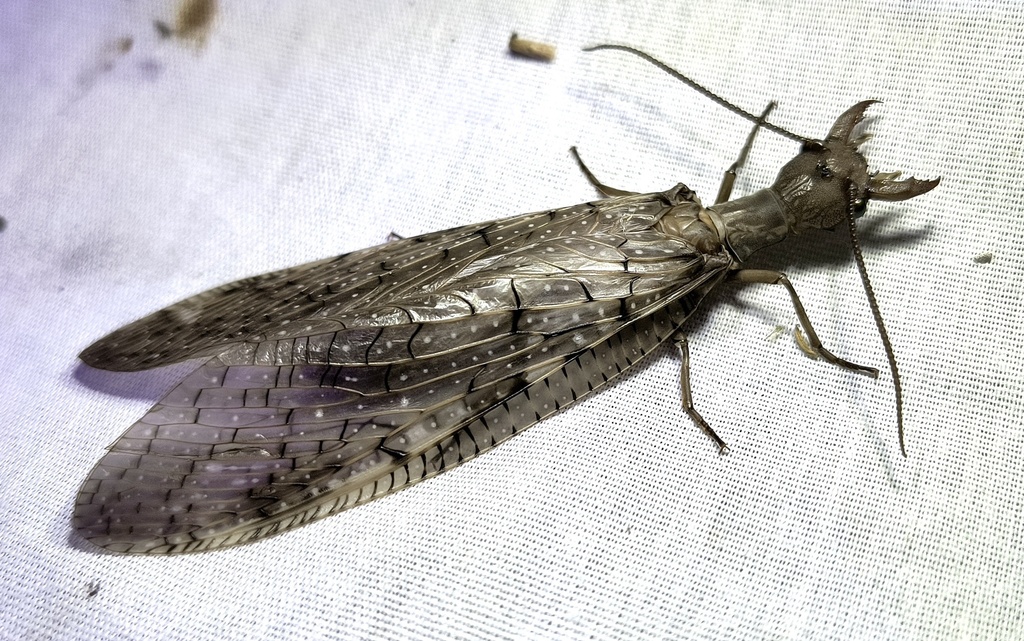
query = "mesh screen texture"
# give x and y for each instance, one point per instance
(138, 167)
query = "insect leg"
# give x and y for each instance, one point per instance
(725, 190)
(684, 380)
(601, 187)
(769, 277)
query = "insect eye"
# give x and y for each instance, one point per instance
(824, 171)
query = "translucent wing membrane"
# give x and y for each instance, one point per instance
(333, 383)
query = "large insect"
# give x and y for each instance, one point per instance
(336, 382)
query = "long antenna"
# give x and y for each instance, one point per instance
(703, 91)
(851, 197)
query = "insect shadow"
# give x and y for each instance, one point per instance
(827, 249)
(148, 384)
(831, 248)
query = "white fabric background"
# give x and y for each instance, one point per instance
(311, 128)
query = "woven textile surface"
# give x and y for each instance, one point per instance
(142, 161)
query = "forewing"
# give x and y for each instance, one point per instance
(301, 300)
(418, 373)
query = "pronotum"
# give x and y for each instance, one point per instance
(336, 382)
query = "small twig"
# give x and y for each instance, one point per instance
(531, 49)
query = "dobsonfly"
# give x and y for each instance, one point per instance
(336, 382)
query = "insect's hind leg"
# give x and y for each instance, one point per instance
(768, 277)
(725, 189)
(684, 381)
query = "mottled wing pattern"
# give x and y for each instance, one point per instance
(339, 381)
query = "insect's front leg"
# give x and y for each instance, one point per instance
(769, 277)
(684, 380)
(725, 189)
